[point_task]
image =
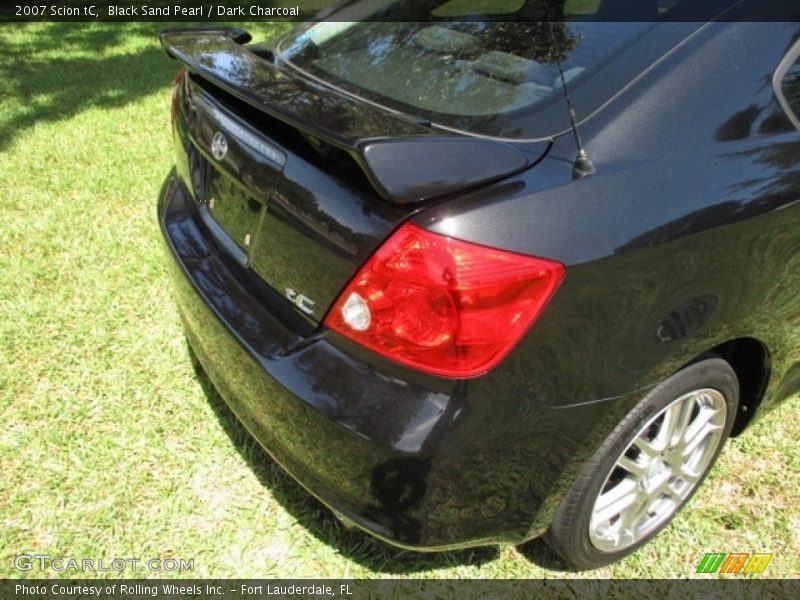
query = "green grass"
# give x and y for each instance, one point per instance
(112, 444)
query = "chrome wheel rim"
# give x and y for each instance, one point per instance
(658, 470)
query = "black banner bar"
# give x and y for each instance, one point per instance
(194, 11)
(350, 589)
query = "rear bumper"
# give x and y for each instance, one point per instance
(422, 462)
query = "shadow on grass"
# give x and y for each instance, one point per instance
(315, 517)
(54, 71)
(539, 553)
(61, 69)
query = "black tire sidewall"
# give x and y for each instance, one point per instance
(569, 532)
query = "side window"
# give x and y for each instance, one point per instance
(787, 84)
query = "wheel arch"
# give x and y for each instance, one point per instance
(750, 360)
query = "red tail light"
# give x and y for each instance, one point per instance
(441, 305)
(175, 89)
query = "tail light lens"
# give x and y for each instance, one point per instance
(442, 305)
(175, 97)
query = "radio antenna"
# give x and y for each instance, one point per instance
(583, 165)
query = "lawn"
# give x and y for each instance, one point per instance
(113, 445)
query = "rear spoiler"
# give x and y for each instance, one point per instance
(405, 160)
(238, 35)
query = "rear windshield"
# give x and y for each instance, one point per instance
(484, 76)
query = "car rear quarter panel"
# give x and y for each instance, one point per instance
(694, 209)
(686, 237)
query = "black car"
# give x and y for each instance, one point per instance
(473, 278)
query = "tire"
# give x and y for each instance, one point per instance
(648, 467)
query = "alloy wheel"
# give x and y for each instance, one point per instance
(658, 470)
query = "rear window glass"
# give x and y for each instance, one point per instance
(482, 75)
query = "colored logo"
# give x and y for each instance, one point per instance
(735, 562)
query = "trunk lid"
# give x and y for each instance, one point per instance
(301, 184)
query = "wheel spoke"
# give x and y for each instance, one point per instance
(703, 417)
(668, 426)
(646, 448)
(635, 467)
(698, 436)
(671, 493)
(636, 513)
(684, 483)
(615, 500)
(663, 507)
(688, 475)
(684, 418)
